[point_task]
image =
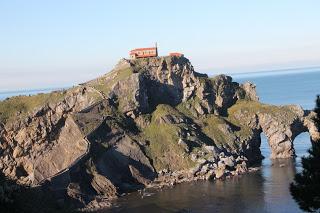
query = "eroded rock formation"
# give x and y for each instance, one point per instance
(279, 124)
(148, 122)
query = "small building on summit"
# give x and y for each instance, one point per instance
(176, 54)
(144, 52)
(149, 52)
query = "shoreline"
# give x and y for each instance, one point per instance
(167, 181)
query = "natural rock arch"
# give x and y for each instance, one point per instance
(281, 133)
(281, 145)
(280, 124)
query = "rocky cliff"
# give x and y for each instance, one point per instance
(148, 122)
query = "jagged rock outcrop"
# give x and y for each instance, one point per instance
(172, 80)
(166, 80)
(30, 144)
(148, 122)
(49, 164)
(280, 124)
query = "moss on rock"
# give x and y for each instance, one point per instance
(163, 140)
(21, 105)
(105, 83)
(251, 108)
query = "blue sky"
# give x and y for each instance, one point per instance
(59, 43)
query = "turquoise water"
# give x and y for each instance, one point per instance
(263, 191)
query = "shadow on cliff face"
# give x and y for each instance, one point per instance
(15, 198)
(7, 191)
(115, 164)
(106, 172)
(162, 93)
(113, 152)
(125, 172)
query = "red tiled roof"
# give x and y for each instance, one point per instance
(176, 54)
(144, 56)
(142, 49)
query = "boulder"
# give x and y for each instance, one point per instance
(219, 173)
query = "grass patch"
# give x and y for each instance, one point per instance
(163, 110)
(216, 128)
(21, 105)
(163, 137)
(248, 110)
(188, 107)
(164, 148)
(283, 113)
(104, 84)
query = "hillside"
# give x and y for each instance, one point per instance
(147, 123)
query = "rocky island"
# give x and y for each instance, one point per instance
(150, 122)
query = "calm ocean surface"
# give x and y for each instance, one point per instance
(7, 94)
(263, 191)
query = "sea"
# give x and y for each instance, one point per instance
(10, 93)
(266, 190)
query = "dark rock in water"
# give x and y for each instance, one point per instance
(149, 122)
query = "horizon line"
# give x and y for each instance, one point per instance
(264, 70)
(272, 71)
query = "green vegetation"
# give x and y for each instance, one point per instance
(164, 148)
(162, 110)
(21, 105)
(95, 96)
(211, 129)
(253, 107)
(189, 111)
(105, 83)
(248, 109)
(182, 107)
(224, 131)
(216, 128)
